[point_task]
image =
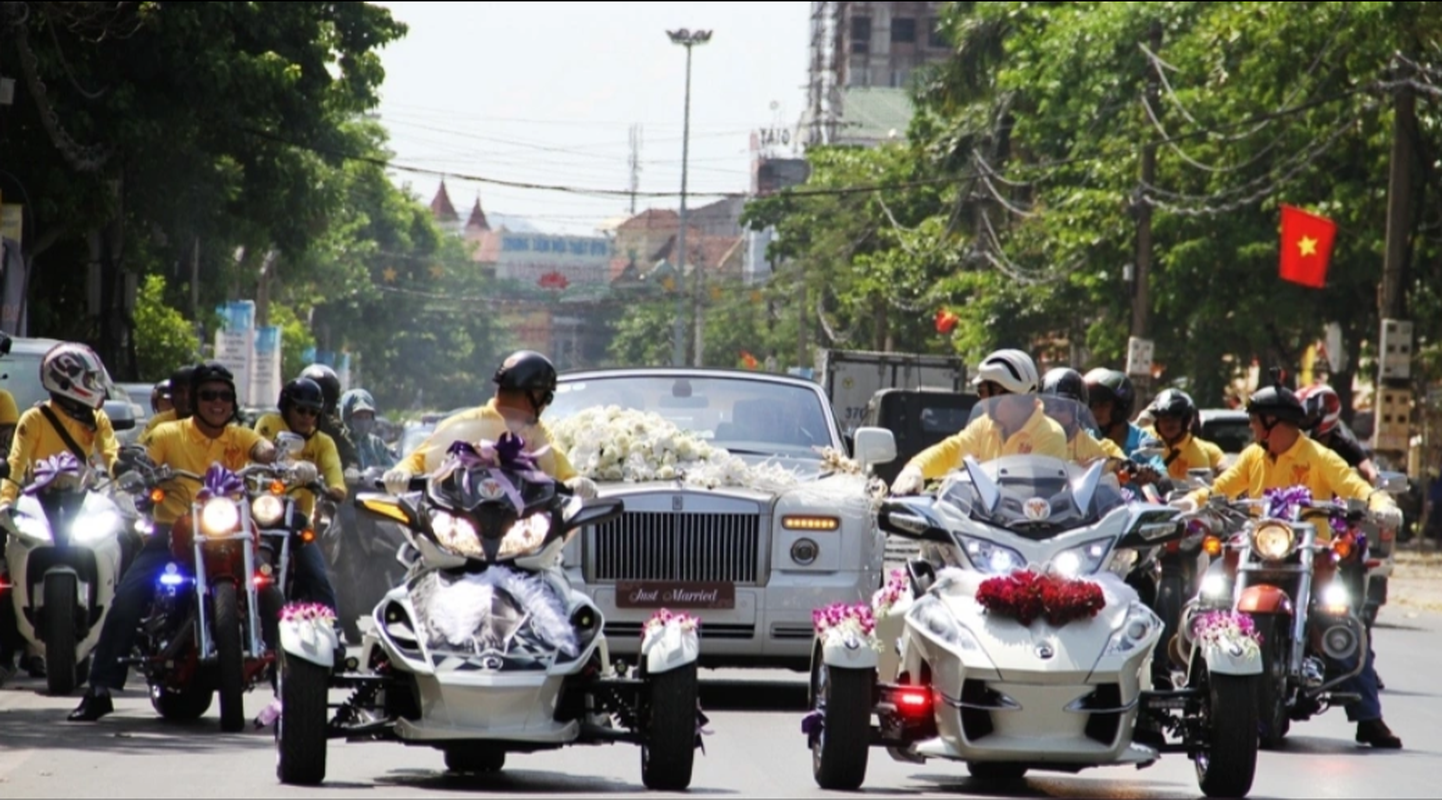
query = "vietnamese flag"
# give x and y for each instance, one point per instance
(1306, 247)
(946, 321)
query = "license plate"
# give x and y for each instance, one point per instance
(675, 594)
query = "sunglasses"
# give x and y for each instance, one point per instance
(212, 396)
(306, 411)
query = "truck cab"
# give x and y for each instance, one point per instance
(918, 418)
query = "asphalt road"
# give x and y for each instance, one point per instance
(757, 749)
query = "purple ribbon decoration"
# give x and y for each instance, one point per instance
(219, 482)
(1281, 502)
(51, 469)
(507, 454)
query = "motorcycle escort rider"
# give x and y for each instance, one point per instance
(72, 419)
(1324, 424)
(180, 401)
(160, 398)
(1173, 416)
(9, 419)
(358, 414)
(330, 423)
(525, 386)
(1082, 446)
(209, 436)
(301, 403)
(1017, 424)
(1282, 457)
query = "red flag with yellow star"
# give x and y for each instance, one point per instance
(1306, 247)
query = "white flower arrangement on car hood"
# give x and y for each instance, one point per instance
(611, 444)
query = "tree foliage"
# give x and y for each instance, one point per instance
(163, 338)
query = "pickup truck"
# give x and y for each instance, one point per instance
(852, 378)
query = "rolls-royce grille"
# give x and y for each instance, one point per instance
(664, 546)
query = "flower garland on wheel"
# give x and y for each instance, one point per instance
(1027, 596)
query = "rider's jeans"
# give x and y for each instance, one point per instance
(311, 581)
(136, 590)
(1365, 684)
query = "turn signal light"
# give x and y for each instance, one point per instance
(1212, 545)
(1342, 546)
(157, 495)
(307, 536)
(277, 487)
(808, 523)
(260, 581)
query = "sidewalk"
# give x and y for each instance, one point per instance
(1417, 578)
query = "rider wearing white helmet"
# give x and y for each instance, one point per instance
(1016, 424)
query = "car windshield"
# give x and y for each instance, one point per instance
(742, 415)
(20, 376)
(1035, 495)
(1232, 435)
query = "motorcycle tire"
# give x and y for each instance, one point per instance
(230, 653)
(60, 634)
(479, 760)
(1170, 599)
(188, 704)
(1272, 691)
(840, 750)
(1226, 767)
(300, 732)
(669, 751)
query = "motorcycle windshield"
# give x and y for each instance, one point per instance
(490, 514)
(1037, 496)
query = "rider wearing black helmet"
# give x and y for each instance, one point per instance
(1173, 414)
(330, 422)
(181, 401)
(1082, 446)
(301, 402)
(208, 436)
(525, 385)
(1282, 458)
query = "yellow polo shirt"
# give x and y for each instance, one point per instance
(183, 446)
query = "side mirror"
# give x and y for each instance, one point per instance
(874, 446)
(121, 415)
(905, 519)
(1153, 528)
(1393, 483)
(1199, 477)
(596, 511)
(289, 445)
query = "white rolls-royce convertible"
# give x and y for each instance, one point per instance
(744, 506)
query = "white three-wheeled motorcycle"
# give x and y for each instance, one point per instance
(485, 649)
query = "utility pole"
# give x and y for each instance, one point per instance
(1393, 428)
(635, 165)
(687, 39)
(1141, 288)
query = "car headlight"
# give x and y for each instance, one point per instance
(219, 516)
(457, 534)
(991, 558)
(267, 509)
(1273, 540)
(1140, 623)
(525, 536)
(1084, 559)
(932, 616)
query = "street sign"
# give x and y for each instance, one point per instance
(1139, 357)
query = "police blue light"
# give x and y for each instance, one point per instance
(171, 579)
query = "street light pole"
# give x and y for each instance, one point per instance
(686, 39)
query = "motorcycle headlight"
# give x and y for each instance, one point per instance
(1084, 559)
(93, 526)
(267, 509)
(991, 558)
(1138, 627)
(219, 516)
(525, 536)
(457, 534)
(1273, 540)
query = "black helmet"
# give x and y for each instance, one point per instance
(1065, 382)
(1108, 384)
(211, 372)
(301, 393)
(1174, 403)
(1278, 402)
(530, 372)
(328, 382)
(180, 379)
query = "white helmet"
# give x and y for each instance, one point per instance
(1013, 370)
(74, 372)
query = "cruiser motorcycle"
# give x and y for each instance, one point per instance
(1026, 649)
(485, 649)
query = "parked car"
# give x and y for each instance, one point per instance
(1228, 428)
(20, 376)
(751, 563)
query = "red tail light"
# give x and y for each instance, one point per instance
(260, 580)
(912, 701)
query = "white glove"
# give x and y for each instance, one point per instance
(1389, 517)
(910, 481)
(1186, 504)
(584, 487)
(305, 472)
(397, 480)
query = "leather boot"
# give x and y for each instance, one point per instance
(1376, 733)
(93, 706)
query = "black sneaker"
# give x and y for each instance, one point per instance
(92, 707)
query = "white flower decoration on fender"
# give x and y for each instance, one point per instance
(894, 596)
(849, 625)
(670, 640)
(611, 444)
(308, 631)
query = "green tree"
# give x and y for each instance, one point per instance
(164, 340)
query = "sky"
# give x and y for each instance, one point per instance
(546, 93)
